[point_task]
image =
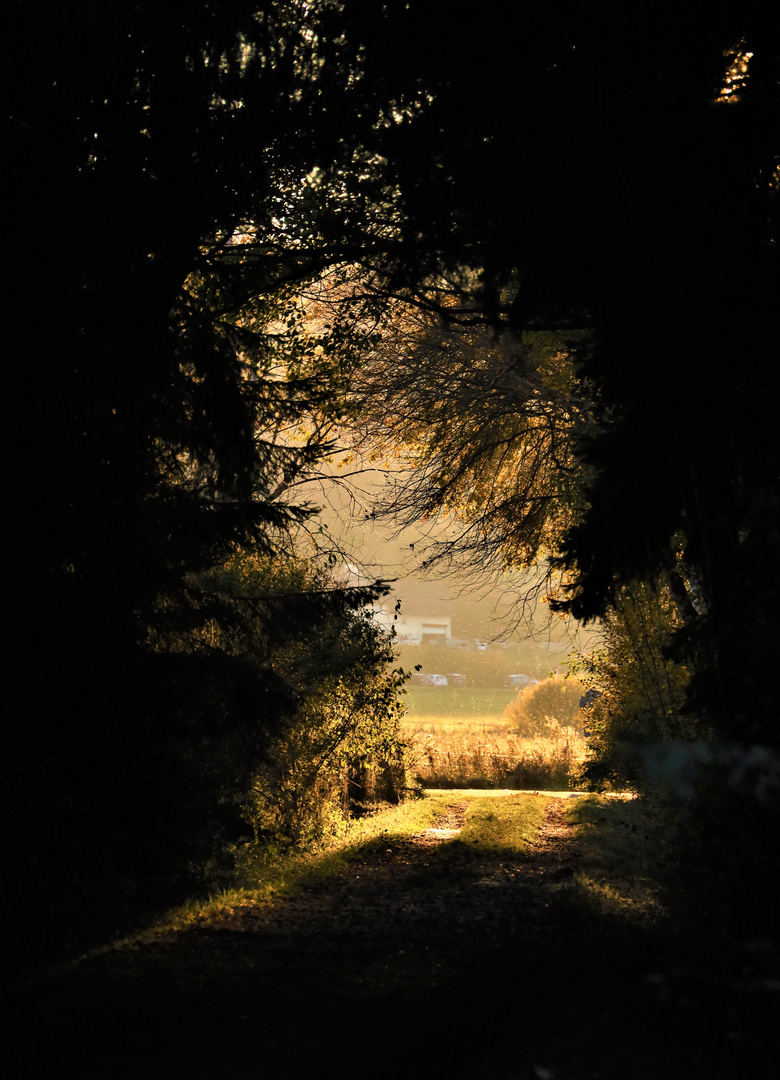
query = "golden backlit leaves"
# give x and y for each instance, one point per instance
(736, 75)
(480, 423)
(472, 424)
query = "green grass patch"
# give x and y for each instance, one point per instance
(432, 706)
(503, 824)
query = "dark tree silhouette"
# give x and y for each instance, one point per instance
(623, 181)
(158, 158)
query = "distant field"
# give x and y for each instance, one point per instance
(431, 705)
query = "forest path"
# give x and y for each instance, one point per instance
(425, 957)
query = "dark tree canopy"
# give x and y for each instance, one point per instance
(622, 180)
(158, 210)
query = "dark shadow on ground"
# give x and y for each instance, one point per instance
(424, 959)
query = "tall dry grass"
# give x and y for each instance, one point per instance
(477, 756)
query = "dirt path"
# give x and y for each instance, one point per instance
(390, 892)
(424, 958)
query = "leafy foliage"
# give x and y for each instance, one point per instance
(338, 704)
(642, 690)
(478, 425)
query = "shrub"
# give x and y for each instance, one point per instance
(554, 699)
(643, 688)
(341, 747)
(341, 751)
(326, 734)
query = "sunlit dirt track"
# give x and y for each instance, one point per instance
(425, 958)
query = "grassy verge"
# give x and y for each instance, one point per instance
(620, 845)
(266, 877)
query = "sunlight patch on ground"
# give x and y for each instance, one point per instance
(493, 793)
